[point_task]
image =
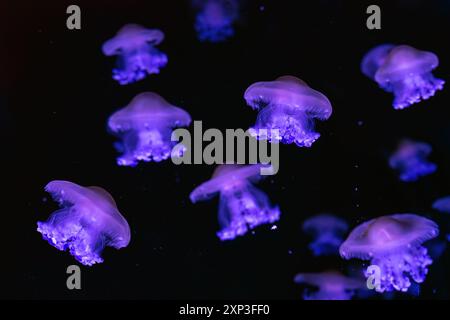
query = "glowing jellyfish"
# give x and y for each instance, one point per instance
(404, 71)
(330, 285)
(410, 160)
(328, 232)
(287, 109)
(87, 222)
(215, 19)
(394, 245)
(242, 206)
(442, 204)
(137, 54)
(145, 128)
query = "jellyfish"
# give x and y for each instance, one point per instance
(330, 285)
(242, 206)
(215, 19)
(137, 54)
(87, 222)
(410, 160)
(287, 109)
(394, 245)
(328, 232)
(144, 127)
(404, 71)
(443, 205)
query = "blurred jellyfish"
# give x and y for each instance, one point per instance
(330, 285)
(145, 128)
(394, 245)
(87, 222)
(242, 206)
(442, 204)
(328, 232)
(137, 54)
(404, 71)
(215, 19)
(290, 106)
(410, 160)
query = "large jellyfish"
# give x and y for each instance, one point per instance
(328, 232)
(287, 109)
(404, 71)
(145, 128)
(394, 245)
(87, 222)
(137, 54)
(330, 285)
(215, 19)
(410, 160)
(242, 206)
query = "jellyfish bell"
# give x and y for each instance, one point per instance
(242, 207)
(145, 128)
(374, 59)
(290, 106)
(394, 244)
(87, 222)
(442, 204)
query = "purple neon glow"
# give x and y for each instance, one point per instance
(410, 160)
(242, 207)
(404, 71)
(87, 222)
(329, 285)
(290, 106)
(145, 127)
(215, 19)
(394, 244)
(328, 232)
(137, 55)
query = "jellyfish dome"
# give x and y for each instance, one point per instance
(442, 204)
(135, 47)
(287, 109)
(394, 244)
(145, 128)
(87, 222)
(328, 232)
(330, 285)
(404, 71)
(215, 19)
(410, 160)
(242, 207)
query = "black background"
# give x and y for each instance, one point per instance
(57, 93)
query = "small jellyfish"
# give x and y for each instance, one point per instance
(242, 206)
(287, 109)
(330, 285)
(404, 71)
(215, 19)
(87, 222)
(410, 160)
(144, 127)
(442, 204)
(137, 54)
(328, 232)
(394, 245)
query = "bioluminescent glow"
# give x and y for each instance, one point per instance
(137, 55)
(393, 244)
(145, 127)
(87, 222)
(289, 105)
(242, 206)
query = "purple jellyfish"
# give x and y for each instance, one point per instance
(410, 160)
(215, 19)
(404, 71)
(287, 109)
(145, 128)
(137, 54)
(87, 222)
(394, 245)
(328, 232)
(443, 205)
(331, 285)
(242, 206)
